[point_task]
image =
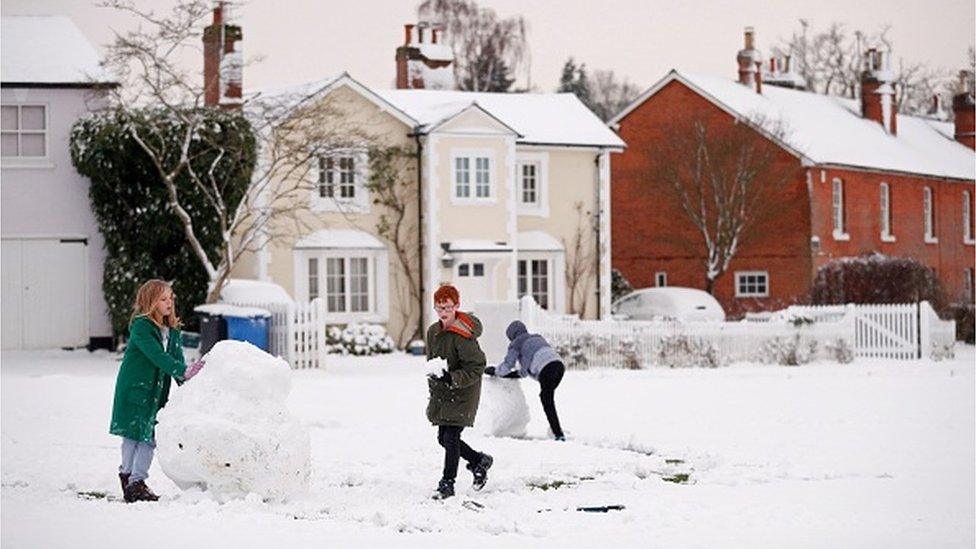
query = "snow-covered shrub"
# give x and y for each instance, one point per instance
(839, 350)
(571, 350)
(942, 351)
(683, 351)
(143, 237)
(789, 351)
(876, 278)
(358, 339)
(628, 353)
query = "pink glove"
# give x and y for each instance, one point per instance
(193, 369)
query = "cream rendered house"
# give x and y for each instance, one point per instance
(508, 196)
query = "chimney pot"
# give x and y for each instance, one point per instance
(749, 38)
(407, 34)
(772, 65)
(759, 77)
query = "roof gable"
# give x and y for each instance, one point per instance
(472, 119)
(825, 130)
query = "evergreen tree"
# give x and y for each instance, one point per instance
(574, 80)
(143, 237)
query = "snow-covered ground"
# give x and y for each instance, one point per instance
(869, 454)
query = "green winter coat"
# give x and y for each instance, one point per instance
(142, 386)
(455, 402)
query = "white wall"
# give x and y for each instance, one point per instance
(50, 198)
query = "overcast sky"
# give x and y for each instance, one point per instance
(303, 40)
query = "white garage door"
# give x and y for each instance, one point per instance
(45, 293)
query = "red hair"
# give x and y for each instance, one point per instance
(447, 292)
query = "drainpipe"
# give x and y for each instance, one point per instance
(599, 223)
(420, 236)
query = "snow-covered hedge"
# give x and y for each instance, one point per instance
(358, 339)
(788, 342)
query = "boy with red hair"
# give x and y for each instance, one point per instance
(455, 364)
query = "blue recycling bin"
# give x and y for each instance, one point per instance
(253, 329)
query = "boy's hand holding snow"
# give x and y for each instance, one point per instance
(436, 368)
(193, 369)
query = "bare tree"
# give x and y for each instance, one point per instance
(831, 62)
(608, 95)
(580, 260)
(488, 50)
(290, 132)
(724, 179)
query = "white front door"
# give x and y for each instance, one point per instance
(45, 293)
(473, 283)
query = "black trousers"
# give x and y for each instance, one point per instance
(549, 378)
(449, 437)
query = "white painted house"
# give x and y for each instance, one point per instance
(52, 252)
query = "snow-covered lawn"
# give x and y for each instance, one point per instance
(869, 454)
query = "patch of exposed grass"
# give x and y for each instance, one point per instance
(677, 478)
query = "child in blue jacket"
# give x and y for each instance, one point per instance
(536, 359)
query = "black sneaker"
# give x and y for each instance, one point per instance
(138, 491)
(480, 471)
(445, 489)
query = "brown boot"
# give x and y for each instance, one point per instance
(138, 491)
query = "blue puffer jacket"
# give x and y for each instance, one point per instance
(531, 351)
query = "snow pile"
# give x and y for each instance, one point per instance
(228, 431)
(502, 411)
(240, 290)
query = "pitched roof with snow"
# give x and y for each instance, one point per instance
(539, 118)
(536, 118)
(827, 130)
(47, 50)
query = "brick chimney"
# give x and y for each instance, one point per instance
(223, 61)
(422, 62)
(964, 111)
(749, 59)
(878, 90)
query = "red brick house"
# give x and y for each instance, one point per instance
(863, 178)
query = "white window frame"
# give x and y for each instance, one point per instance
(884, 207)
(967, 218)
(928, 216)
(473, 155)
(360, 201)
(839, 209)
(377, 269)
(739, 275)
(530, 274)
(31, 161)
(661, 279)
(541, 207)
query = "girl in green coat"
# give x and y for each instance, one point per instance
(154, 355)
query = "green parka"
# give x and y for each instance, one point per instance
(455, 402)
(142, 386)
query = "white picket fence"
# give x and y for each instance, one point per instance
(900, 331)
(908, 331)
(296, 332)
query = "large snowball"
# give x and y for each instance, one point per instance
(502, 411)
(227, 430)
